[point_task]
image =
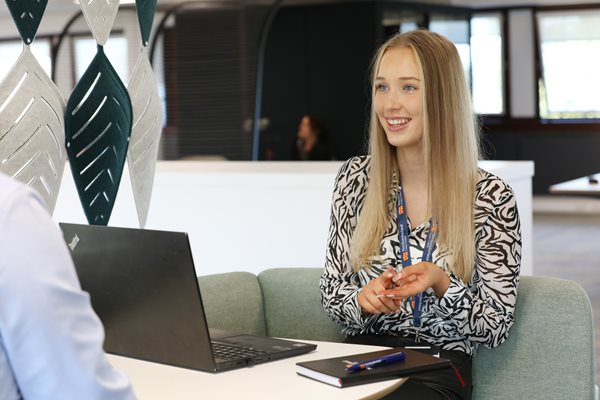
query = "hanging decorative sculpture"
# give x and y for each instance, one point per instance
(147, 117)
(100, 17)
(31, 113)
(98, 121)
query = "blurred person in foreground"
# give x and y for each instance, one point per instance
(50, 338)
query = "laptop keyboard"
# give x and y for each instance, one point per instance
(229, 352)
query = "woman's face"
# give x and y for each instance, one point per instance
(397, 98)
(304, 129)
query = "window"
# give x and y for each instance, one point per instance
(457, 30)
(115, 50)
(479, 44)
(402, 20)
(487, 69)
(569, 43)
(10, 51)
(478, 37)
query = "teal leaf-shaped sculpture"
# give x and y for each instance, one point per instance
(98, 122)
(27, 15)
(145, 134)
(146, 9)
(32, 128)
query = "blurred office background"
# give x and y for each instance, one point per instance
(531, 68)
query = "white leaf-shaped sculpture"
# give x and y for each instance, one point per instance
(32, 128)
(145, 133)
(100, 16)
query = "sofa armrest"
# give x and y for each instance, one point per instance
(549, 353)
(233, 302)
(293, 306)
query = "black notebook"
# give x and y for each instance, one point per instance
(333, 370)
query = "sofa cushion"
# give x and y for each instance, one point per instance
(549, 353)
(293, 307)
(233, 301)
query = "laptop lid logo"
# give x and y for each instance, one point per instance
(74, 242)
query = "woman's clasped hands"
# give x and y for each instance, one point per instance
(385, 293)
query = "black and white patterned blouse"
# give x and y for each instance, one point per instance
(479, 312)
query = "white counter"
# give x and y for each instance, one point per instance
(250, 216)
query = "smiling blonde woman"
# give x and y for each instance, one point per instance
(424, 248)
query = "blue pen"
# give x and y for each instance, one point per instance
(389, 359)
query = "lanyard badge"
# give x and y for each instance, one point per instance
(405, 259)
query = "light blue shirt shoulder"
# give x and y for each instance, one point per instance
(50, 338)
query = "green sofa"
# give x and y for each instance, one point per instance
(548, 355)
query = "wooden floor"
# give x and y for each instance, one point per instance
(568, 246)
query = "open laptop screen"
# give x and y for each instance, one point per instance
(143, 286)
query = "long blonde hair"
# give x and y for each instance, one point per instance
(450, 147)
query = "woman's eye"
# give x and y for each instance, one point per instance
(381, 88)
(409, 88)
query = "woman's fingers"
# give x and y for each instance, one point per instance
(408, 282)
(415, 279)
(409, 273)
(377, 305)
(369, 300)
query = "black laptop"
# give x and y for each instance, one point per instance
(143, 286)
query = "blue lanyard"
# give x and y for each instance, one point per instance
(430, 244)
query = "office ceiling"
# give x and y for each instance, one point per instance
(505, 3)
(70, 7)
